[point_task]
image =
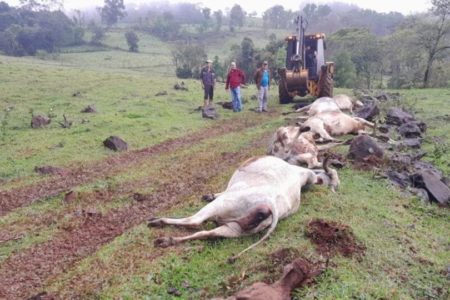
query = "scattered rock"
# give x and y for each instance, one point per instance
(399, 178)
(173, 291)
(163, 93)
(226, 105)
(209, 112)
(70, 196)
(437, 190)
(91, 212)
(115, 143)
(76, 94)
(141, 197)
(363, 146)
(89, 109)
(42, 296)
(421, 193)
(396, 116)
(383, 128)
(180, 86)
(414, 143)
(50, 170)
(410, 130)
(40, 121)
(369, 111)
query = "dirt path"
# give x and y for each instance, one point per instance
(24, 274)
(19, 197)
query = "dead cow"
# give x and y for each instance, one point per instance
(296, 147)
(326, 104)
(261, 192)
(329, 124)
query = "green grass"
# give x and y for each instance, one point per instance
(407, 241)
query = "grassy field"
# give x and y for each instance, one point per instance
(97, 245)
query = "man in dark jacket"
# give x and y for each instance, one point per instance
(235, 78)
(208, 79)
(262, 80)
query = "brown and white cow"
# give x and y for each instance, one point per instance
(296, 147)
(261, 191)
(330, 124)
(326, 104)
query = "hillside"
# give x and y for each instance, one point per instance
(81, 232)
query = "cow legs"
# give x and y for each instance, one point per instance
(308, 158)
(228, 230)
(192, 221)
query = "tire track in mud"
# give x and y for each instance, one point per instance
(19, 197)
(25, 273)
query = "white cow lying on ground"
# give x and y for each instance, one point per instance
(296, 147)
(329, 124)
(326, 104)
(262, 191)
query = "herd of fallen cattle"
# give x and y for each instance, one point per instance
(266, 189)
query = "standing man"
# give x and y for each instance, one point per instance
(235, 78)
(208, 79)
(262, 80)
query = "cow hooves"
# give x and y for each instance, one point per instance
(155, 222)
(208, 198)
(164, 242)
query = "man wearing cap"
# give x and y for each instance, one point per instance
(262, 80)
(235, 78)
(208, 80)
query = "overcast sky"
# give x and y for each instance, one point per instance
(405, 7)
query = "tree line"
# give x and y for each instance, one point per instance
(370, 49)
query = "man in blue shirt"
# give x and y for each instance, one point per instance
(262, 80)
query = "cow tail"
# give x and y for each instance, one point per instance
(272, 227)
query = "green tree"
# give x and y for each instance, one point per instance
(188, 60)
(365, 51)
(37, 5)
(237, 17)
(112, 11)
(218, 16)
(345, 75)
(98, 33)
(218, 68)
(132, 41)
(165, 26)
(434, 36)
(276, 17)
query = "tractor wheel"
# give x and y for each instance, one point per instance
(283, 94)
(325, 84)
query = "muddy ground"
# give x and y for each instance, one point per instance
(23, 274)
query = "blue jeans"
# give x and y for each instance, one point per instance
(236, 99)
